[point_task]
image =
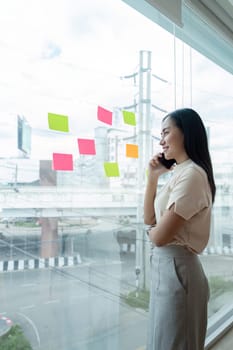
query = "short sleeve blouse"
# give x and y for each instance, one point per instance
(189, 191)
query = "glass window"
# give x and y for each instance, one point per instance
(74, 257)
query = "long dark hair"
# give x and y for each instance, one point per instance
(195, 140)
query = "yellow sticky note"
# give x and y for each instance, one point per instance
(129, 118)
(111, 169)
(131, 150)
(58, 122)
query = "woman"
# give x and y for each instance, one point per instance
(179, 218)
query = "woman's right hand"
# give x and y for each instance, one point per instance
(155, 168)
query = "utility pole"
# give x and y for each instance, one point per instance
(144, 141)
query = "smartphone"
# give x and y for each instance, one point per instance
(168, 163)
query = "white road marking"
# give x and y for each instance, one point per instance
(33, 326)
(52, 301)
(27, 307)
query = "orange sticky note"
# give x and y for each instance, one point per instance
(86, 146)
(62, 161)
(131, 150)
(104, 115)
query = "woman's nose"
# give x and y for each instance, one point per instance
(161, 142)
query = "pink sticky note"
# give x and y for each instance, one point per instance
(62, 161)
(104, 115)
(86, 146)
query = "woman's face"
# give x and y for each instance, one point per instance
(172, 141)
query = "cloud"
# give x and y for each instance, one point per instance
(51, 51)
(67, 56)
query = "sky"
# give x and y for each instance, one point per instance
(68, 57)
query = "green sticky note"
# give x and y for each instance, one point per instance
(111, 169)
(129, 118)
(58, 122)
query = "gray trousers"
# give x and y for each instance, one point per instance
(178, 300)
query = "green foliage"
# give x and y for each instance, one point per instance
(25, 224)
(219, 285)
(14, 340)
(138, 299)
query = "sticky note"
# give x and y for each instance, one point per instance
(104, 115)
(58, 122)
(111, 169)
(131, 151)
(62, 161)
(86, 146)
(129, 118)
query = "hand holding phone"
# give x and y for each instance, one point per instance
(168, 163)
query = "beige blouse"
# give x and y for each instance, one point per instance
(189, 190)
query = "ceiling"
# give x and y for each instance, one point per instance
(205, 25)
(216, 13)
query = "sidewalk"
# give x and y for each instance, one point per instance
(5, 325)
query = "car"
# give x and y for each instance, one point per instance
(7, 220)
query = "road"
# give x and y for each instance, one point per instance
(78, 308)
